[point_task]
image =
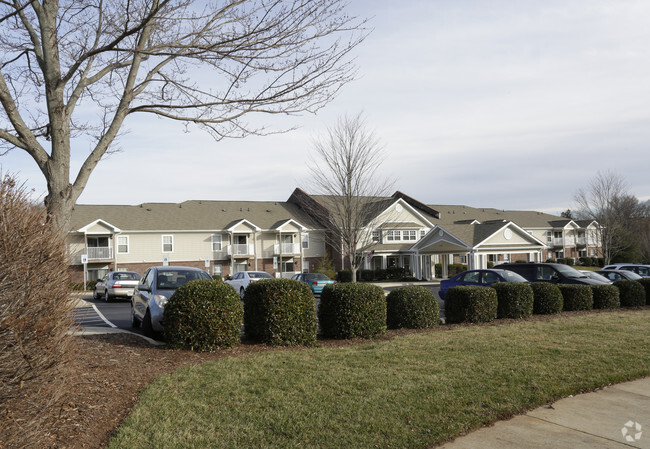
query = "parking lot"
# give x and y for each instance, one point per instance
(98, 313)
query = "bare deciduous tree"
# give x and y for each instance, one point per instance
(76, 69)
(344, 176)
(598, 201)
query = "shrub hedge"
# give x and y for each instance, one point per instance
(470, 303)
(547, 298)
(352, 310)
(203, 315)
(514, 299)
(606, 297)
(280, 312)
(577, 297)
(344, 276)
(413, 307)
(646, 285)
(632, 293)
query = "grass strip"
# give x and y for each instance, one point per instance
(411, 391)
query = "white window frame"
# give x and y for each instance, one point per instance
(305, 241)
(376, 236)
(217, 270)
(214, 241)
(423, 233)
(171, 242)
(409, 235)
(393, 236)
(123, 244)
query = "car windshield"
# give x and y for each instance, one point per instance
(171, 280)
(316, 277)
(258, 275)
(126, 276)
(569, 272)
(594, 275)
(511, 276)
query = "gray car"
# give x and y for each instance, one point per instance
(150, 296)
(116, 284)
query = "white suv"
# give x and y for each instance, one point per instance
(640, 269)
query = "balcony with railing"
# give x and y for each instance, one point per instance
(241, 250)
(286, 248)
(566, 241)
(99, 252)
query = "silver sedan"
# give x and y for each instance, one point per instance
(116, 284)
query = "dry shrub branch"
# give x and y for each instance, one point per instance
(35, 317)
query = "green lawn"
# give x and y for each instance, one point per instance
(411, 391)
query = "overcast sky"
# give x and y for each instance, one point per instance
(512, 104)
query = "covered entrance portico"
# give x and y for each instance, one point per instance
(478, 242)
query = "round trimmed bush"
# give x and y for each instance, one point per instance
(203, 315)
(547, 298)
(514, 299)
(632, 293)
(352, 310)
(470, 303)
(280, 312)
(605, 297)
(413, 307)
(577, 297)
(646, 285)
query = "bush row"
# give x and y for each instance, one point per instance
(206, 315)
(391, 273)
(517, 300)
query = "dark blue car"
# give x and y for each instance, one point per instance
(482, 278)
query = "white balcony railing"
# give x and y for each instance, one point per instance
(570, 241)
(101, 252)
(245, 249)
(581, 241)
(287, 248)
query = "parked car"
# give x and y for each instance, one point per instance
(640, 269)
(154, 290)
(316, 281)
(242, 279)
(116, 284)
(555, 273)
(595, 275)
(481, 278)
(620, 275)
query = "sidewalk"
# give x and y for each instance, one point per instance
(616, 417)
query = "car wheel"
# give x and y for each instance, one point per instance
(107, 297)
(147, 327)
(135, 321)
(241, 293)
(95, 294)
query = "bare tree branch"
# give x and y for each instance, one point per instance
(351, 194)
(208, 64)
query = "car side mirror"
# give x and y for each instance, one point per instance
(555, 277)
(144, 288)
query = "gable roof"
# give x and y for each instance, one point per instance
(191, 215)
(450, 214)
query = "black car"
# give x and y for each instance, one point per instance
(555, 273)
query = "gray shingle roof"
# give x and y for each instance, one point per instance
(450, 214)
(191, 215)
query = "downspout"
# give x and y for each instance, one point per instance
(302, 255)
(115, 251)
(280, 265)
(255, 247)
(232, 253)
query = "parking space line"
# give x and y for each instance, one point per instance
(103, 317)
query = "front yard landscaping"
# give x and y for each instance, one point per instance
(413, 390)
